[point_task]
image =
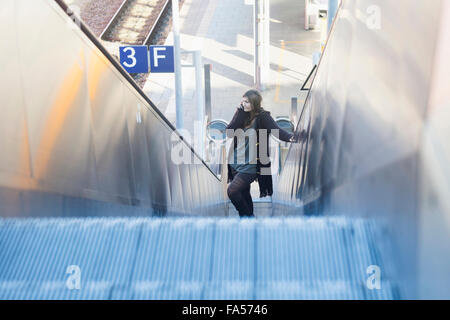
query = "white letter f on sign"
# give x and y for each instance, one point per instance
(156, 56)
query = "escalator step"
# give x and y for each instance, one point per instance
(192, 258)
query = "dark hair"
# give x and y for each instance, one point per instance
(254, 97)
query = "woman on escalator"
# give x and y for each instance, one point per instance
(250, 129)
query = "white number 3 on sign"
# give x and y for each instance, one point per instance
(130, 56)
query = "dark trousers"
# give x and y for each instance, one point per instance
(239, 192)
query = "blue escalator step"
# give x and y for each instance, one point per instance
(193, 258)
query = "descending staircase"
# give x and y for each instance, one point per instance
(193, 258)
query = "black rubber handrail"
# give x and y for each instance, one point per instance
(310, 77)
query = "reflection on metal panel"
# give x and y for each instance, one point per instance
(434, 190)
(79, 138)
(366, 152)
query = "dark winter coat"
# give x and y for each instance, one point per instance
(263, 121)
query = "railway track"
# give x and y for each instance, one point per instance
(139, 22)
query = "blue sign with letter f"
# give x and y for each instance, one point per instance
(161, 59)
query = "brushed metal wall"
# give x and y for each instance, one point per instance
(77, 138)
(377, 121)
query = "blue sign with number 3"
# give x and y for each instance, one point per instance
(134, 59)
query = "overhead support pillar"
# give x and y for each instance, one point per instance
(293, 116)
(261, 32)
(177, 67)
(200, 99)
(265, 72)
(207, 69)
(257, 42)
(332, 9)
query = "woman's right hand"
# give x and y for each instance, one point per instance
(242, 108)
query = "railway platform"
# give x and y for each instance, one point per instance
(223, 31)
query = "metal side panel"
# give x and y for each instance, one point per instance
(376, 144)
(80, 136)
